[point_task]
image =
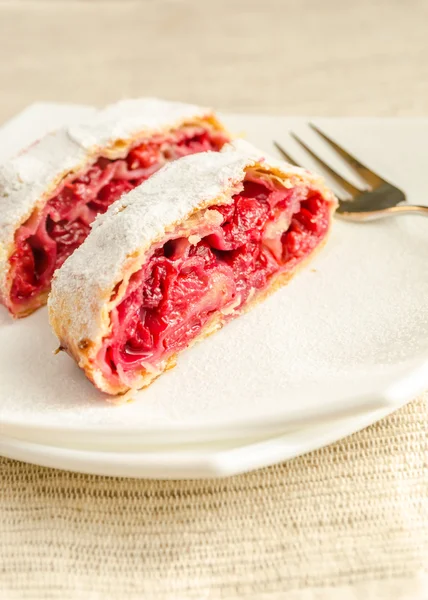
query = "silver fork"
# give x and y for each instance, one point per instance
(381, 199)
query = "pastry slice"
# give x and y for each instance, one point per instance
(51, 192)
(175, 259)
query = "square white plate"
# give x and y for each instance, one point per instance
(348, 335)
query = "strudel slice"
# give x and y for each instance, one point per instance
(195, 246)
(51, 192)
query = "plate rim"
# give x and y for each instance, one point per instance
(194, 464)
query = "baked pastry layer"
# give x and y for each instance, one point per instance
(179, 256)
(50, 193)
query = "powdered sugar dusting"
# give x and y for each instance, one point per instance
(121, 120)
(32, 176)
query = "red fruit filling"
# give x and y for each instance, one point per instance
(268, 229)
(48, 238)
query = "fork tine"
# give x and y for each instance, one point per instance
(285, 154)
(352, 190)
(372, 178)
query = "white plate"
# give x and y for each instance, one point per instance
(219, 460)
(347, 335)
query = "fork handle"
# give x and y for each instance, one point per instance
(375, 215)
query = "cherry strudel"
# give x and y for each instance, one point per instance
(200, 242)
(51, 192)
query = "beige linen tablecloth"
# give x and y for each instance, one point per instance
(347, 521)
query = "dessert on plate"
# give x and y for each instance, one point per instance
(52, 191)
(173, 260)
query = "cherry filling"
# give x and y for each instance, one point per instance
(49, 237)
(268, 229)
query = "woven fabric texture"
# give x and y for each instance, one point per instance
(353, 512)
